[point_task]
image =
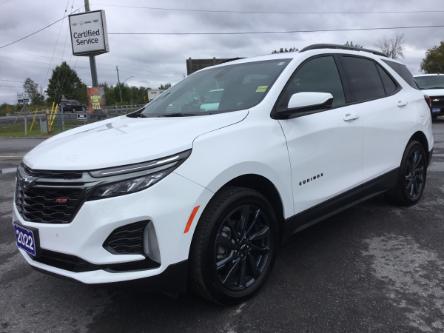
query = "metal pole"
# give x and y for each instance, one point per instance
(26, 124)
(118, 82)
(92, 64)
(62, 114)
(92, 59)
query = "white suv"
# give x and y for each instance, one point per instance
(203, 186)
(433, 86)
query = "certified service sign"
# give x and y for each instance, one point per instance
(88, 33)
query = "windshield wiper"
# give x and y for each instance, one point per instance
(181, 114)
(136, 114)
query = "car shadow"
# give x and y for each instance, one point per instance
(134, 308)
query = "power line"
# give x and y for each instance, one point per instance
(7, 86)
(55, 46)
(4, 80)
(35, 32)
(283, 12)
(276, 32)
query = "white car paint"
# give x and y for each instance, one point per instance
(123, 140)
(304, 99)
(433, 92)
(343, 153)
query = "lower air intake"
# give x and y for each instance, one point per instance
(128, 239)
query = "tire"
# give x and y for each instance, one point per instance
(234, 246)
(412, 176)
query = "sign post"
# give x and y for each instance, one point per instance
(89, 36)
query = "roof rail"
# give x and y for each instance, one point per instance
(340, 47)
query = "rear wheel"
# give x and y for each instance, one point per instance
(412, 176)
(234, 246)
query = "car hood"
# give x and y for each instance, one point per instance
(124, 140)
(433, 92)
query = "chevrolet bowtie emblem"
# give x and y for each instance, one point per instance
(27, 180)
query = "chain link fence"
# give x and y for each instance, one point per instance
(47, 123)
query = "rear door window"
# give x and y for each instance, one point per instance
(364, 81)
(403, 72)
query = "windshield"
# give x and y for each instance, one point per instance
(430, 82)
(215, 90)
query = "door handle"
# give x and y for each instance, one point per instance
(401, 103)
(350, 116)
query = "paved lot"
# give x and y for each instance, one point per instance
(373, 268)
(12, 150)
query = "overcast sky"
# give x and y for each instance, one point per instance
(152, 60)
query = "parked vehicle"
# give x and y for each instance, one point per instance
(71, 105)
(433, 86)
(205, 195)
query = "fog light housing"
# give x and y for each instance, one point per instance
(135, 238)
(150, 244)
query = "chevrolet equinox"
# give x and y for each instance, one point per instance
(203, 183)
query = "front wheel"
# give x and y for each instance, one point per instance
(234, 246)
(412, 176)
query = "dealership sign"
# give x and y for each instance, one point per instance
(96, 98)
(88, 33)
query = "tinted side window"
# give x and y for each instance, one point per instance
(390, 85)
(363, 79)
(316, 75)
(402, 72)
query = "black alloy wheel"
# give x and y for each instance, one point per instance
(415, 174)
(412, 176)
(242, 247)
(234, 246)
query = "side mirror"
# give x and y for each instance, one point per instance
(305, 103)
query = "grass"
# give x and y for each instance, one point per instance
(17, 130)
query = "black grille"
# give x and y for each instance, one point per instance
(75, 264)
(53, 174)
(437, 101)
(127, 239)
(63, 261)
(43, 202)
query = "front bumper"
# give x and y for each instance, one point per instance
(167, 205)
(435, 112)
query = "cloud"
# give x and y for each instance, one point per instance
(153, 60)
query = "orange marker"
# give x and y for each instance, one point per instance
(190, 219)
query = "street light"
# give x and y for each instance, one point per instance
(130, 77)
(123, 83)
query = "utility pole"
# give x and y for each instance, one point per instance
(92, 59)
(118, 82)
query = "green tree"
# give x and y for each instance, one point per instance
(130, 95)
(354, 45)
(32, 90)
(6, 108)
(434, 60)
(65, 82)
(282, 50)
(165, 86)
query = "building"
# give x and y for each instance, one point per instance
(194, 65)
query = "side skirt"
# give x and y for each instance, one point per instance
(339, 203)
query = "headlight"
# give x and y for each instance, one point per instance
(134, 177)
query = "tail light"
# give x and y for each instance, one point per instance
(428, 101)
